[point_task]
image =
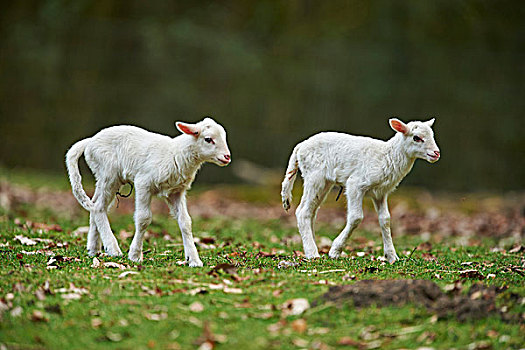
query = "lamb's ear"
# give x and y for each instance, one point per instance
(430, 122)
(190, 129)
(398, 125)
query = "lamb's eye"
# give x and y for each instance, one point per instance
(418, 139)
(209, 140)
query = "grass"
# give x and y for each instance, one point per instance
(166, 305)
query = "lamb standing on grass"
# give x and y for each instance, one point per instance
(157, 165)
(365, 167)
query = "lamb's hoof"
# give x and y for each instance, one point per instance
(391, 257)
(334, 254)
(93, 252)
(286, 204)
(135, 257)
(312, 255)
(195, 263)
(114, 252)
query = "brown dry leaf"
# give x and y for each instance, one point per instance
(38, 316)
(347, 341)
(207, 240)
(226, 268)
(207, 340)
(428, 257)
(299, 325)
(277, 292)
(425, 246)
(43, 227)
(471, 274)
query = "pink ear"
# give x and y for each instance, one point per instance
(398, 125)
(187, 128)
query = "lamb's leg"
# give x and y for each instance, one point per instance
(314, 192)
(94, 243)
(354, 217)
(318, 200)
(179, 210)
(142, 220)
(381, 206)
(106, 192)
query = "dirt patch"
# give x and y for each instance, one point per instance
(494, 216)
(476, 304)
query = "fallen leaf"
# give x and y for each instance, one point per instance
(80, 231)
(284, 264)
(208, 240)
(196, 307)
(517, 249)
(471, 274)
(114, 337)
(299, 325)
(301, 343)
(114, 265)
(156, 316)
(96, 322)
(40, 294)
(16, 311)
(207, 339)
(227, 268)
(96, 263)
(229, 290)
(294, 307)
(127, 273)
(38, 316)
(25, 240)
(347, 341)
(196, 291)
(71, 296)
(276, 327)
(331, 271)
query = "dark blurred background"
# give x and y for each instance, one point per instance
(273, 73)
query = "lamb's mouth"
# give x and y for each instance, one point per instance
(225, 162)
(433, 157)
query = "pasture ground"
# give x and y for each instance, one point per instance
(256, 291)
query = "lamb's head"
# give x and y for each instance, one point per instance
(418, 139)
(210, 140)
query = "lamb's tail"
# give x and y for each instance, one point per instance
(289, 179)
(72, 156)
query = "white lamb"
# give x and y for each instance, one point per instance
(365, 167)
(157, 165)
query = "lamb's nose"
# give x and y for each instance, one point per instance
(437, 153)
(227, 157)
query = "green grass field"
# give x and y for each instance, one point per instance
(54, 296)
